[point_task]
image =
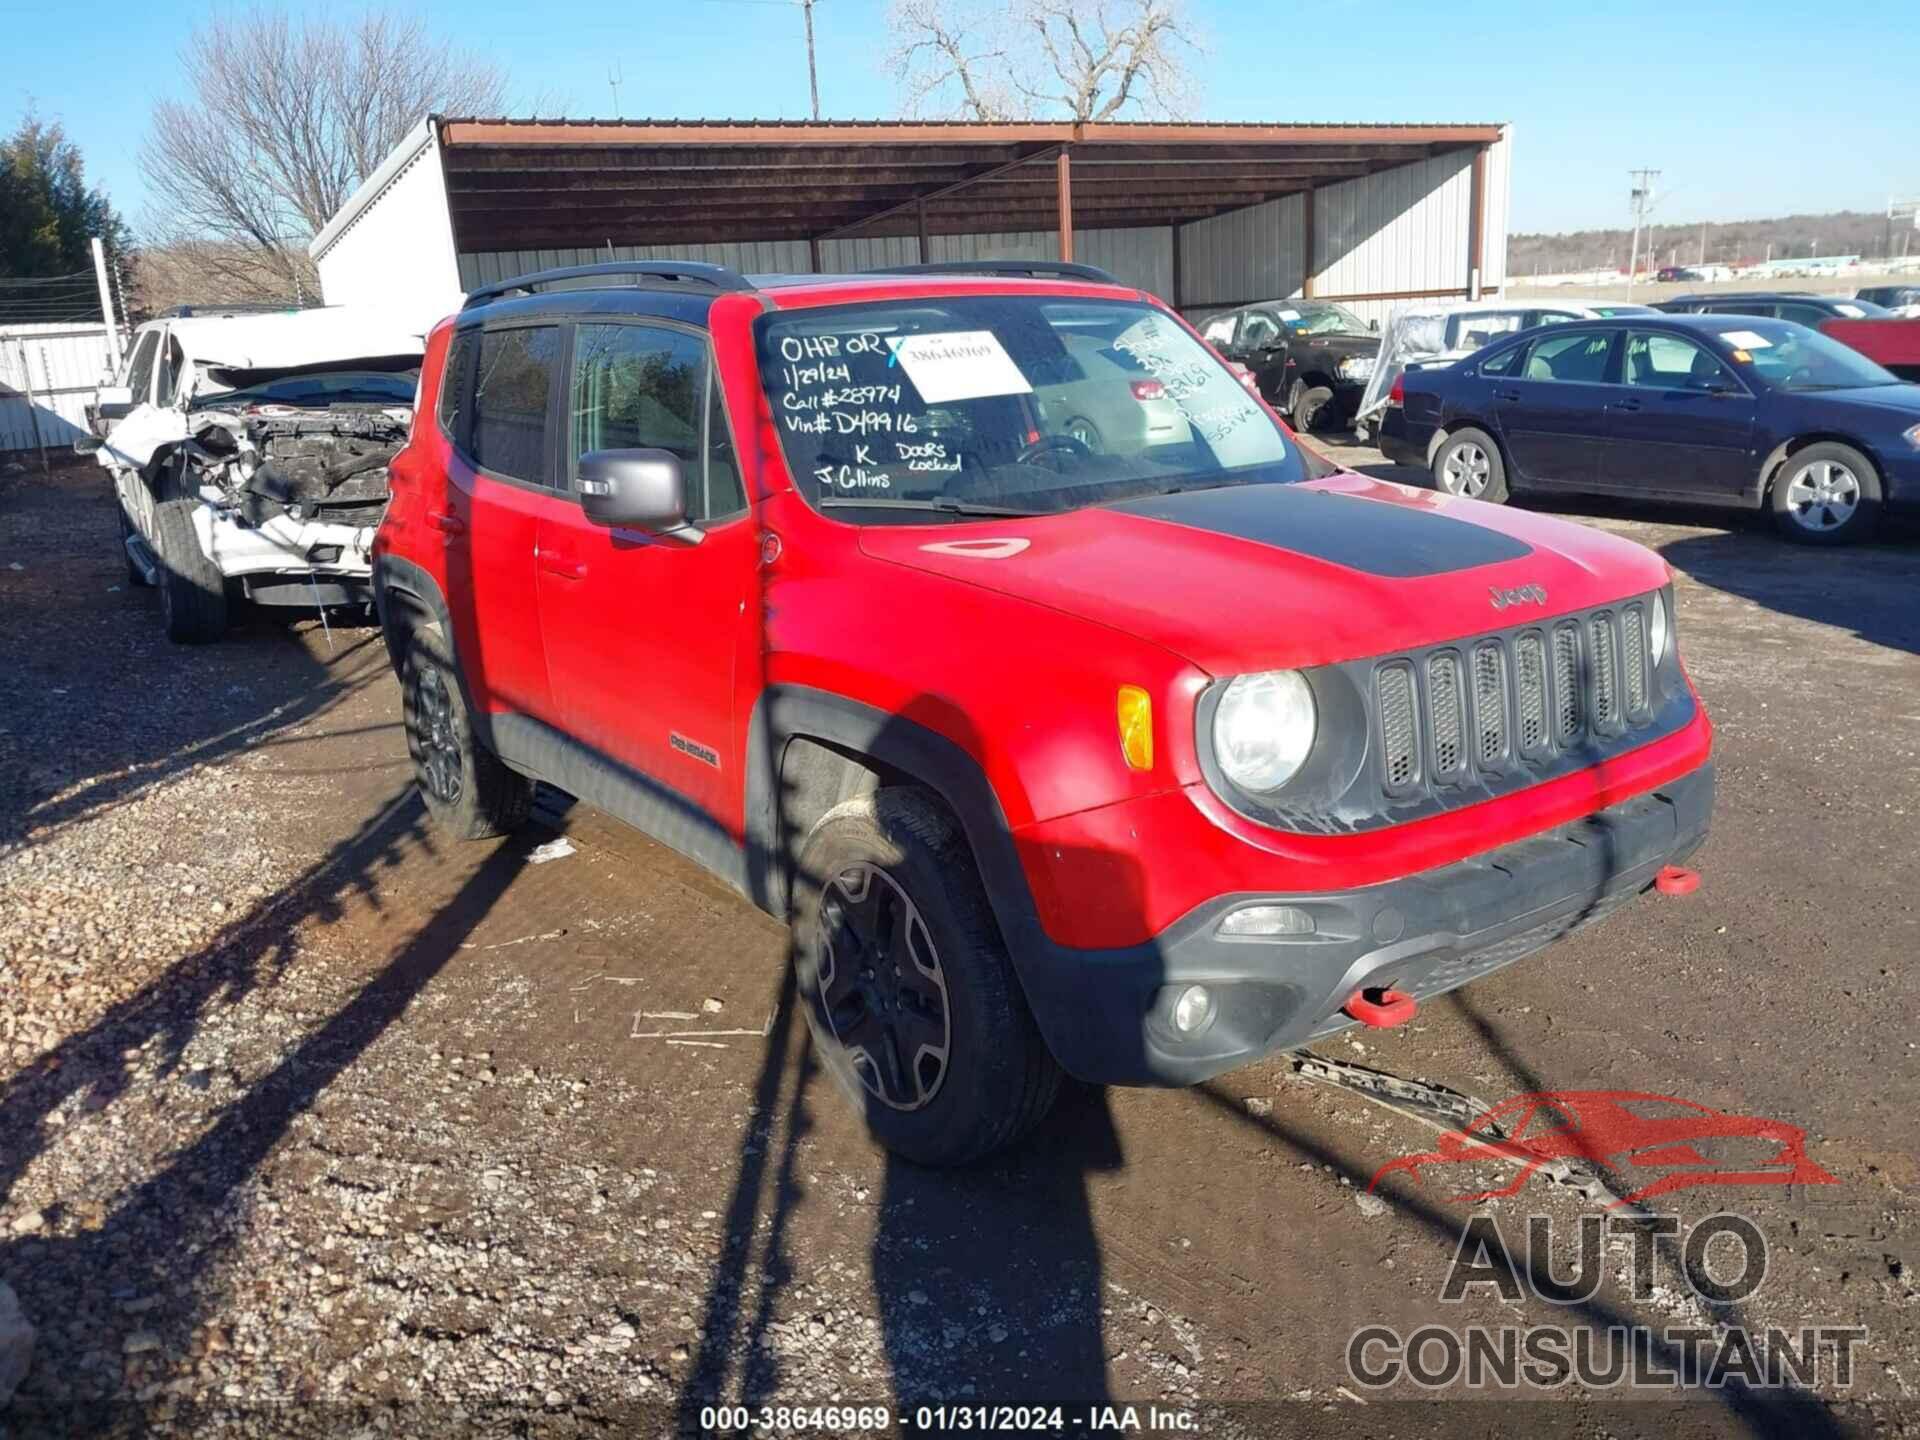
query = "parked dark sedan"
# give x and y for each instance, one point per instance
(1309, 358)
(1802, 307)
(1724, 409)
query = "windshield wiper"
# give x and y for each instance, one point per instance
(940, 504)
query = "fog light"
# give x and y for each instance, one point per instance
(1257, 922)
(1192, 1009)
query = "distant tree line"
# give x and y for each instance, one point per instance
(1843, 232)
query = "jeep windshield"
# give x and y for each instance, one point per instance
(977, 405)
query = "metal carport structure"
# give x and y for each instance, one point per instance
(1206, 214)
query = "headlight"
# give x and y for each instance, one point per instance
(1355, 367)
(1661, 634)
(1263, 729)
(1913, 437)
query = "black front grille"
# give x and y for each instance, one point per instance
(1461, 713)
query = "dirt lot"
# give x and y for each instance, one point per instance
(301, 1103)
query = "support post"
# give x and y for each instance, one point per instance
(920, 222)
(1179, 289)
(1063, 177)
(1477, 223)
(1308, 262)
(106, 302)
(813, 253)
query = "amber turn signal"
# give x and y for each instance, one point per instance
(1136, 727)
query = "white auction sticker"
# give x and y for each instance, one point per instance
(1289, 315)
(1745, 339)
(959, 365)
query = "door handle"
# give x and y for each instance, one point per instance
(1508, 395)
(445, 523)
(1624, 405)
(563, 565)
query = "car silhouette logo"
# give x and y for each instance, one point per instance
(1654, 1144)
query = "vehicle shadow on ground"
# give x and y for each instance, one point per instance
(987, 1280)
(1845, 588)
(177, 707)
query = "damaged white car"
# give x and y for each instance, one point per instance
(249, 455)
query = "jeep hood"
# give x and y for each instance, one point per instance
(1266, 576)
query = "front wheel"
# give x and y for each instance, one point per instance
(909, 993)
(1827, 494)
(193, 592)
(1468, 463)
(1309, 403)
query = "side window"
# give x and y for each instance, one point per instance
(642, 387)
(456, 384)
(1258, 329)
(1219, 330)
(1578, 357)
(1669, 362)
(1809, 315)
(1504, 363)
(510, 401)
(171, 364)
(140, 376)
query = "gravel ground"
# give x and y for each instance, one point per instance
(307, 1115)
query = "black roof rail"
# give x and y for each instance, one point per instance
(641, 273)
(1030, 269)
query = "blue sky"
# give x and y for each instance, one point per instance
(1754, 110)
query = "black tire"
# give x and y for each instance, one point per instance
(1806, 476)
(997, 1079)
(136, 577)
(1475, 452)
(468, 791)
(1086, 432)
(1308, 403)
(193, 592)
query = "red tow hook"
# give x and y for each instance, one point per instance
(1677, 880)
(1382, 1009)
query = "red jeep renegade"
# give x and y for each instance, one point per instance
(985, 626)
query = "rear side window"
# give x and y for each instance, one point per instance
(511, 396)
(1579, 357)
(1503, 363)
(456, 383)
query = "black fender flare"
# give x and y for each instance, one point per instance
(786, 712)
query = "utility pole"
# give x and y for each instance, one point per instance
(1703, 242)
(106, 301)
(813, 75)
(613, 80)
(1642, 199)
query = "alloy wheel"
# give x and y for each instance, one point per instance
(1466, 471)
(439, 740)
(881, 987)
(1823, 496)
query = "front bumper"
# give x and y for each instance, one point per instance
(1106, 1014)
(283, 546)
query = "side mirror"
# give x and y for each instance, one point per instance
(88, 445)
(640, 489)
(114, 402)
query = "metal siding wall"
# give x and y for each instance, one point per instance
(1402, 229)
(1493, 275)
(64, 364)
(1250, 254)
(1142, 257)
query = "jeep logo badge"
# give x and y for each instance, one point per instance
(1524, 595)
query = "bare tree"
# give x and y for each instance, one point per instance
(1034, 59)
(285, 122)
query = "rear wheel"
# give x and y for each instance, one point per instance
(909, 993)
(1468, 463)
(1086, 432)
(468, 791)
(1827, 494)
(193, 592)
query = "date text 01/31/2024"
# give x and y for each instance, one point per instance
(982, 1419)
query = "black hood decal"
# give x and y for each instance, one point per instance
(1398, 542)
